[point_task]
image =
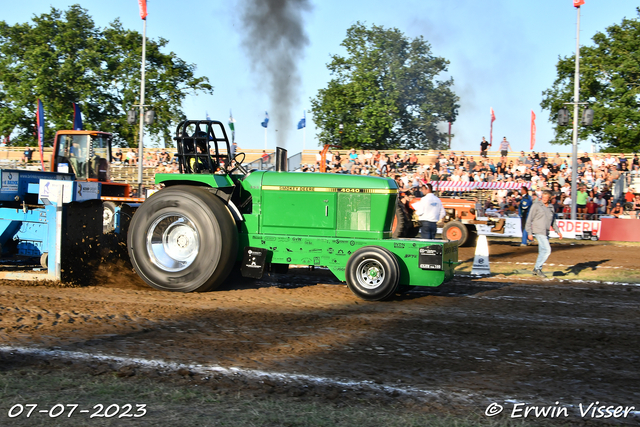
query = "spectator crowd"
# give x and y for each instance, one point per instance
(160, 159)
(596, 174)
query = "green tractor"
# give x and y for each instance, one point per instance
(215, 216)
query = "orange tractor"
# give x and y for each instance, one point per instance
(458, 225)
(87, 154)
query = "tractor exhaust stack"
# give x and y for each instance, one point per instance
(282, 164)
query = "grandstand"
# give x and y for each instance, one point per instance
(425, 163)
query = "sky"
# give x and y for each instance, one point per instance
(502, 55)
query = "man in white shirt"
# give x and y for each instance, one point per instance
(405, 179)
(609, 161)
(429, 210)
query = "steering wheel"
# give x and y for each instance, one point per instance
(238, 164)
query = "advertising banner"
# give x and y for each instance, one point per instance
(568, 228)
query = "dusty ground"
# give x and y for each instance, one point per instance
(454, 348)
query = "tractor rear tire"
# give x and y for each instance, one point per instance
(455, 231)
(399, 224)
(183, 239)
(373, 273)
(402, 225)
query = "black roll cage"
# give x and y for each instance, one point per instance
(205, 133)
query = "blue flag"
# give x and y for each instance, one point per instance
(303, 121)
(77, 117)
(266, 120)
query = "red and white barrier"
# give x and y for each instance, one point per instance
(469, 186)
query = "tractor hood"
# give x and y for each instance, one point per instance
(330, 182)
(318, 204)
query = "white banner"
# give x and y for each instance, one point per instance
(569, 228)
(511, 228)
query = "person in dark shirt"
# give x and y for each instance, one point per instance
(472, 164)
(462, 159)
(622, 162)
(484, 146)
(523, 210)
(118, 156)
(585, 158)
(27, 155)
(453, 158)
(544, 158)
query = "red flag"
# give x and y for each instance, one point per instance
(533, 129)
(578, 3)
(493, 118)
(143, 8)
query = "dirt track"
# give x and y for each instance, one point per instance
(462, 345)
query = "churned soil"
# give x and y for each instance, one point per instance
(457, 347)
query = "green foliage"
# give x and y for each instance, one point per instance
(385, 93)
(62, 57)
(610, 78)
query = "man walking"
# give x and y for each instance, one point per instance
(541, 218)
(505, 147)
(429, 210)
(523, 210)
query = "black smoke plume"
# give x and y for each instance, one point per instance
(274, 38)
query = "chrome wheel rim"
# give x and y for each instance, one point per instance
(370, 274)
(107, 217)
(173, 242)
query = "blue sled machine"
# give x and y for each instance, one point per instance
(49, 225)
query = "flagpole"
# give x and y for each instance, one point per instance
(576, 100)
(141, 144)
(265, 138)
(40, 126)
(304, 135)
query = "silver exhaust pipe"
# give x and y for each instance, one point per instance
(282, 162)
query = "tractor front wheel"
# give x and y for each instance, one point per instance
(373, 273)
(455, 231)
(183, 239)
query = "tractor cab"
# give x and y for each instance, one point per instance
(87, 154)
(199, 144)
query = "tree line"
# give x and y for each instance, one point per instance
(385, 93)
(64, 58)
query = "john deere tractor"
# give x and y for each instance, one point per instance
(215, 216)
